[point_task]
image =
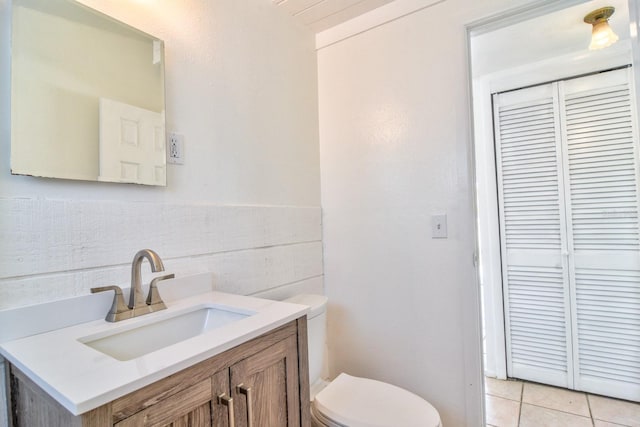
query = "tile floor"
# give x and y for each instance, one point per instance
(523, 404)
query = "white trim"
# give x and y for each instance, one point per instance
(634, 29)
(519, 14)
(491, 286)
(375, 18)
(568, 270)
(474, 376)
(489, 242)
(558, 68)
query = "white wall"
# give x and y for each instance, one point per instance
(395, 146)
(241, 87)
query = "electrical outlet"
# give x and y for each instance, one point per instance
(175, 148)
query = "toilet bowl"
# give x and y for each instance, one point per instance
(350, 401)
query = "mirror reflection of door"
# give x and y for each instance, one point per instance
(132, 147)
(557, 171)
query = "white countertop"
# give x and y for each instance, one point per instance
(82, 378)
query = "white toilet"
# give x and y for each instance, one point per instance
(352, 401)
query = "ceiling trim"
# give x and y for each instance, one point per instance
(377, 17)
(515, 15)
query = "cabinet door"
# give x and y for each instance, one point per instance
(222, 406)
(189, 408)
(265, 387)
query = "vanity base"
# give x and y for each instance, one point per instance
(267, 379)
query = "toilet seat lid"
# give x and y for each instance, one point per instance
(362, 402)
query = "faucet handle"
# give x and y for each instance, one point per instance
(154, 301)
(119, 310)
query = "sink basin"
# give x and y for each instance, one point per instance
(133, 343)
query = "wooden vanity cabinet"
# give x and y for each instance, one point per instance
(271, 390)
(267, 379)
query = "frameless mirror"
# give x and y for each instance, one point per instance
(87, 96)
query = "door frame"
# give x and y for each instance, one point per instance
(483, 150)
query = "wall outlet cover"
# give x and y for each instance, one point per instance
(175, 148)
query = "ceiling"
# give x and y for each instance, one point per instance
(318, 15)
(556, 34)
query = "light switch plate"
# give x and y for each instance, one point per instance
(439, 226)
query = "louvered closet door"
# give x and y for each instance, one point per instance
(602, 215)
(535, 277)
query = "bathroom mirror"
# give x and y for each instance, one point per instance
(87, 96)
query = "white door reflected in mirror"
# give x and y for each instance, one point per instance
(132, 147)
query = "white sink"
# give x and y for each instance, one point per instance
(133, 343)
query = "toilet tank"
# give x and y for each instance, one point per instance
(317, 332)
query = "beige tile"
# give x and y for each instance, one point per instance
(615, 411)
(535, 416)
(507, 389)
(556, 398)
(599, 423)
(502, 412)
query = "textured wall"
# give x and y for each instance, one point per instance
(63, 248)
(395, 147)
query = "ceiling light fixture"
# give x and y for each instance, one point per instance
(601, 35)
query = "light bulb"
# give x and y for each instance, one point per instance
(602, 36)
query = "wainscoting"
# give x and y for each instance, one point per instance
(53, 249)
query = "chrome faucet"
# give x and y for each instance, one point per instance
(138, 305)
